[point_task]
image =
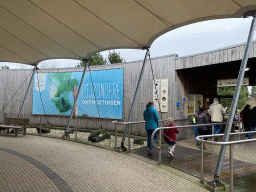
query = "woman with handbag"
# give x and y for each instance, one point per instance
(202, 118)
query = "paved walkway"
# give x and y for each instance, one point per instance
(187, 158)
(244, 163)
(33, 163)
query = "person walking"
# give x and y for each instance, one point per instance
(253, 121)
(202, 118)
(217, 111)
(245, 116)
(170, 136)
(151, 117)
(195, 129)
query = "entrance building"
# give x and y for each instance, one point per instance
(183, 84)
(202, 74)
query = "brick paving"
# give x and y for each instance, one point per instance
(33, 163)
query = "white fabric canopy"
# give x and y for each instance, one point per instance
(35, 30)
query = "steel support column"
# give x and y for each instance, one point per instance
(75, 99)
(34, 70)
(234, 102)
(134, 98)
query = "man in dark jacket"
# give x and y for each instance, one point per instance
(246, 117)
(253, 121)
(202, 118)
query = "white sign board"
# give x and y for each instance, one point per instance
(231, 82)
(160, 94)
(164, 95)
(156, 93)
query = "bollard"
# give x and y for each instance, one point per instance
(212, 137)
(231, 168)
(129, 134)
(160, 142)
(115, 137)
(202, 163)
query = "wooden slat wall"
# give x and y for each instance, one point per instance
(164, 67)
(215, 57)
(11, 90)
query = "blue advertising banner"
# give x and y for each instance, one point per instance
(53, 93)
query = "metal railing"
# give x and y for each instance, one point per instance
(198, 138)
(129, 133)
(179, 127)
(230, 143)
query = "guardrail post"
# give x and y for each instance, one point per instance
(160, 142)
(115, 135)
(202, 162)
(40, 128)
(212, 137)
(129, 137)
(76, 129)
(231, 168)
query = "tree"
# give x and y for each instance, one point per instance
(114, 57)
(5, 67)
(48, 64)
(96, 59)
(243, 96)
(253, 91)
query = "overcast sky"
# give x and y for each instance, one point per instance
(188, 40)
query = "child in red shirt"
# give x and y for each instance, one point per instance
(170, 136)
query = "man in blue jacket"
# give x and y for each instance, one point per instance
(151, 117)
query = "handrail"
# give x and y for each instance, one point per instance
(203, 136)
(138, 122)
(230, 143)
(200, 139)
(184, 126)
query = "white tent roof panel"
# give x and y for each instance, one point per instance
(36, 30)
(82, 26)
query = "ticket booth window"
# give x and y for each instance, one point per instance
(194, 102)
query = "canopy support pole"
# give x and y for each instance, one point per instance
(68, 130)
(135, 95)
(234, 102)
(34, 70)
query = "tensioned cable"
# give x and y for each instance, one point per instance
(134, 97)
(23, 42)
(64, 24)
(39, 32)
(41, 97)
(16, 92)
(69, 97)
(13, 52)
(155, 86)
(160, 18)
(120, 32)
(95, 95)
